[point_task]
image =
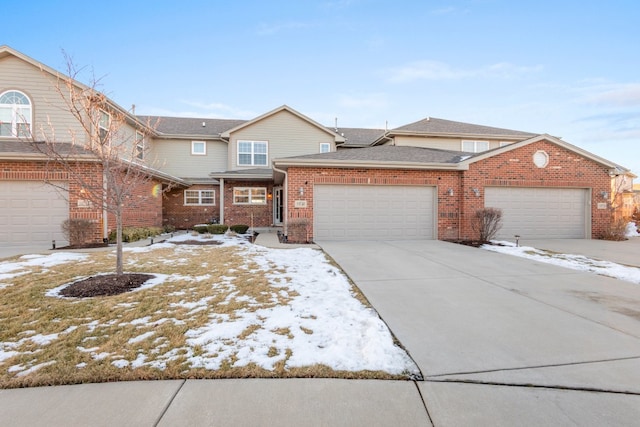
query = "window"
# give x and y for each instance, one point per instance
(199, 197)
(198, 148)
(140, 145)
(475, 146)
(252, 153)
(15, 114)
(325, 147)
(249, 196)
(104, 122)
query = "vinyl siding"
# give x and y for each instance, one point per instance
(454, 144)
(46, 102)
(174, 156)
(287, 135)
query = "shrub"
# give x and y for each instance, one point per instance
(200, 229)
(217, 228)
(486, 223)
(77, 231)
(616, 231)
(168, 228)
(133, 234)
(239, 228)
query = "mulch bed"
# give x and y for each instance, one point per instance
(105, 284)
(85, 246)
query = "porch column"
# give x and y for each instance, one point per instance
(221, 200)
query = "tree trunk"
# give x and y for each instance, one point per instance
(118, 215)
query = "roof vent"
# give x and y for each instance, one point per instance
(204, 124)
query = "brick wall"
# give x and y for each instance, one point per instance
(512, 169)
(252, 215)
(175, 213)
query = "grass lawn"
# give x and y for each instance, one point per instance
(232, 310)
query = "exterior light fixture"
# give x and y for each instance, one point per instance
(604, 194)
(301, 190)
(450, 191)
(476, 192)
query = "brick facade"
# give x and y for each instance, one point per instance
(251, 215)
(176, 214)
(514, 168)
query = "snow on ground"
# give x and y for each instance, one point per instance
(319, 322)
(631, 230)
(11, 269)
(576, 262)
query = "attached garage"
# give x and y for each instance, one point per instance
(542, 213)
(31, 213)
(374, 212)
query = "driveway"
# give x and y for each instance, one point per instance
(503, 340)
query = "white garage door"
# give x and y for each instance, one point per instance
(31, 213)
(541, 213)
(373, 212)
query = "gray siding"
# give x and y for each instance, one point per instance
(287, 135)
(454, 144)
(174, 157)
(46, 102)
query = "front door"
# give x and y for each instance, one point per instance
(278, 205)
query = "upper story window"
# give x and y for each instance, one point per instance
(252, 153)
(475, 146)
(198, 148)
(15, 114)
(325, 147)
(104, 123)
(140, 146)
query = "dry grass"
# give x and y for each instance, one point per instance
(137, 335)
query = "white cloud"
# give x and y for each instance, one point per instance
(436, 70)
(617, 95)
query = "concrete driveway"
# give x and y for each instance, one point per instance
(503, 340)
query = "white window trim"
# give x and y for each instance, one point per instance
(141, 145)
(475, 145)
(325, 144)
(18, 118)
(194, 153)
(250, 202)
(101, 127)
(213, 196)
(253, 153)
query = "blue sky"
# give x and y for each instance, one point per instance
(564, 67)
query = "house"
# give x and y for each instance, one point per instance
(423, 180)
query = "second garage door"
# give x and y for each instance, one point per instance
(373, 212)
(541, 213)
(31, 213)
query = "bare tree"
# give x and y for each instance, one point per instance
(100, 151)
(486, 223)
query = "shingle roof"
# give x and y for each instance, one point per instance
(432, 125)
(190, 126)
(359, 137)
(391, 153)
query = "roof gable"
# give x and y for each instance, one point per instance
(551, 139)
(227, 134)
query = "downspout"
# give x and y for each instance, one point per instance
(105, 213)
(285, 199)
(221, 200)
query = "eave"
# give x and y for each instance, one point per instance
(365, 164)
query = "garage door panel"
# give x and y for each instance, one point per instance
(32, 213)
(541, 212)
(373, 212)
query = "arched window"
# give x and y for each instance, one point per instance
(15, 114)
